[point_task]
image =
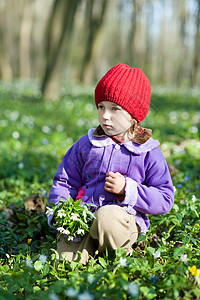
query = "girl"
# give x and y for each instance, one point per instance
(118, 166)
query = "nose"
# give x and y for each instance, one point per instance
(106, 114)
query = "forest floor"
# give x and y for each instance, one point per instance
(34, 136)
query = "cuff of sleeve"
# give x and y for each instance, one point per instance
(131, 192)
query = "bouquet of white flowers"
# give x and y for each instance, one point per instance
(71, 218)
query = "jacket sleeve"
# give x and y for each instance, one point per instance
(67, 179)
(156, 194)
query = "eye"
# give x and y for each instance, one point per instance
(115, 108)
(100, 107)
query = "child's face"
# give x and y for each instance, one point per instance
(113, 118)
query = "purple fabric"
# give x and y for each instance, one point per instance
(82, 172)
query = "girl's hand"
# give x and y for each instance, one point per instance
(115, 183)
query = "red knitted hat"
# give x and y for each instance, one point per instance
(128, 87)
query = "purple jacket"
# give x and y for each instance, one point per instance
(81, 175)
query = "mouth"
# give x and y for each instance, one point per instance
(107, 126)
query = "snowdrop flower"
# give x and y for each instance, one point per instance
(61, 213)
(193, 198)
(85, 296)
(49, 212)
(74, 217)
(183, 258)
(59, 128)
(133, 289)
(66, 231)
(80, 231)
(70, 239)
(156, 254)
(61, 229)
(43, 258)
(45, 142)
(29, 263)
(46, 129)
(53, 296)
(90, 279)
(193, 129)
(71, 293)
(15, 135)
(89, 107)
(21, 165)
(123, 261)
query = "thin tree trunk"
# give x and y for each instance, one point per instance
(25, 39)
(131, 35)
(5, 65)
(148, 53)
(59, 32)
(93, 26)
(196, 49)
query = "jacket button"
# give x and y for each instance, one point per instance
(117, 146)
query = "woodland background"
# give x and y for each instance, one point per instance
(59, 41)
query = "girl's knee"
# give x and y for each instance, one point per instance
(109, 216)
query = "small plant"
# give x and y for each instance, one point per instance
(71, 218)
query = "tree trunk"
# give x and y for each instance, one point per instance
(131, 35)
(148, 54)
(196, 49)
(59, 32)
(6, 72)
(93, 26)
(25, 39)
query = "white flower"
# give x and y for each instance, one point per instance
(49, 212)
(193, 198)
(46, 129)
(61, 213)
(61, 229)
(66, 231)
(85, 296)
(90, 279)
(70, 239)
(53, 296)
(43, 258)
(183, 258)
(156, 254)
(21, 165)
(133, 289)
(80, 231)
(15, 135)
(123, 261)
(71, 293)
(29, 263)
(193, 129)
(74, 217)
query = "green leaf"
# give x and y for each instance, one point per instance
(193, 240)
(151, 250)
(141, 238)
(102, 262)
(179, 217)
(38, 265)
(45, 269)
(178, 251)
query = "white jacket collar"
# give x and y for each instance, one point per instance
(104, 141)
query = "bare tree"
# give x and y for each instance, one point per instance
(196, 48)
(132, 34)
(58, 36)
(94, 20)
(25, 39)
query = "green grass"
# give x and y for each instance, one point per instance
(34, 137)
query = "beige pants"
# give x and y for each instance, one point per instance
(113, 228)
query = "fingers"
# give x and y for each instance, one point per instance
(110, 174)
